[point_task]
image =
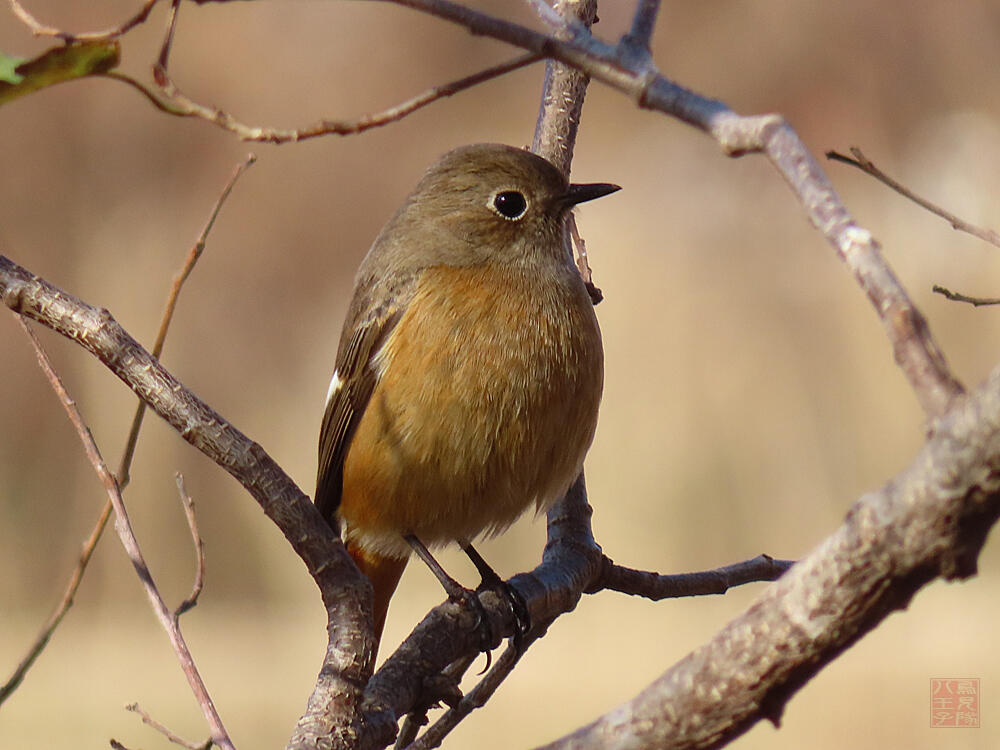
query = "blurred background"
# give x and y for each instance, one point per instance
(751, 394)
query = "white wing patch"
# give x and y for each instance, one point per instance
(335, 383)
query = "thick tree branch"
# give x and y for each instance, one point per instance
(122, 477)
(930, 521)
(341, 585)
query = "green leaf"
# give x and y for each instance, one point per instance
(59, 64)
(7, 69)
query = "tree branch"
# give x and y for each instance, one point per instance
(863, 163)
(928, 522)
(124, 528)
(343, 588)
(122, 477)
(656, 586)
(199, 550)
(40, 29)
(959, 297)
(173, 101)
(643, 23)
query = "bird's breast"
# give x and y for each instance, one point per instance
(486, 402)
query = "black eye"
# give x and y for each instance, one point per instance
(510, 204)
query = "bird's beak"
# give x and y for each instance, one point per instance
(580, 193)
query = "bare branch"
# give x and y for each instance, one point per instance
(657, 586)
(39, 29)
(342, 586)
(957, 297)
(643, 23)
(199, 550)
(579, 251)
(174, 102)
(475, 698)
(863, 163)
(563, 92)
(150, 721)
(930, 521)
(160, 69)
(124, 528)
(76, 577)
(193, 256)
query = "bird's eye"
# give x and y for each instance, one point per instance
(510, 204)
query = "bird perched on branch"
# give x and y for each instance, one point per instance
(470, 365)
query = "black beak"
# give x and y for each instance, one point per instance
(580, 193)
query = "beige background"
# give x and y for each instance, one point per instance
(751, 394)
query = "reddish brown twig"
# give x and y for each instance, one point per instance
(171, 100)
(40, 29)
(199, 550)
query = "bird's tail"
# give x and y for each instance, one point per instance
(384, 573)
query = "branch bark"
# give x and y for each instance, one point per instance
(928, 522)
(343, 588)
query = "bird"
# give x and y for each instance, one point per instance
(469, 370)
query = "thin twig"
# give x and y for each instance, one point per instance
(582, 261)
(194, 254)
(199, 550)
(863, 163)
(123, 476)
(131, 545)
(959, 297)
(171, 100)
(451, 678)
(39, 29)
(160, 69)
(169, 735)
(656, 586)
(475, 698)
(343, 588)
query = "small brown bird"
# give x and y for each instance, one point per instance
(470, 365)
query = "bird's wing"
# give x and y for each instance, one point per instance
(346, 404)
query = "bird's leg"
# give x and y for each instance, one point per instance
(456, 591)
(518, 607)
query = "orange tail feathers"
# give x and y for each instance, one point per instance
(384, 573)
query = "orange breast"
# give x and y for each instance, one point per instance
(486, 404)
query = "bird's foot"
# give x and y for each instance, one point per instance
(491, 581)
(468, 599)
